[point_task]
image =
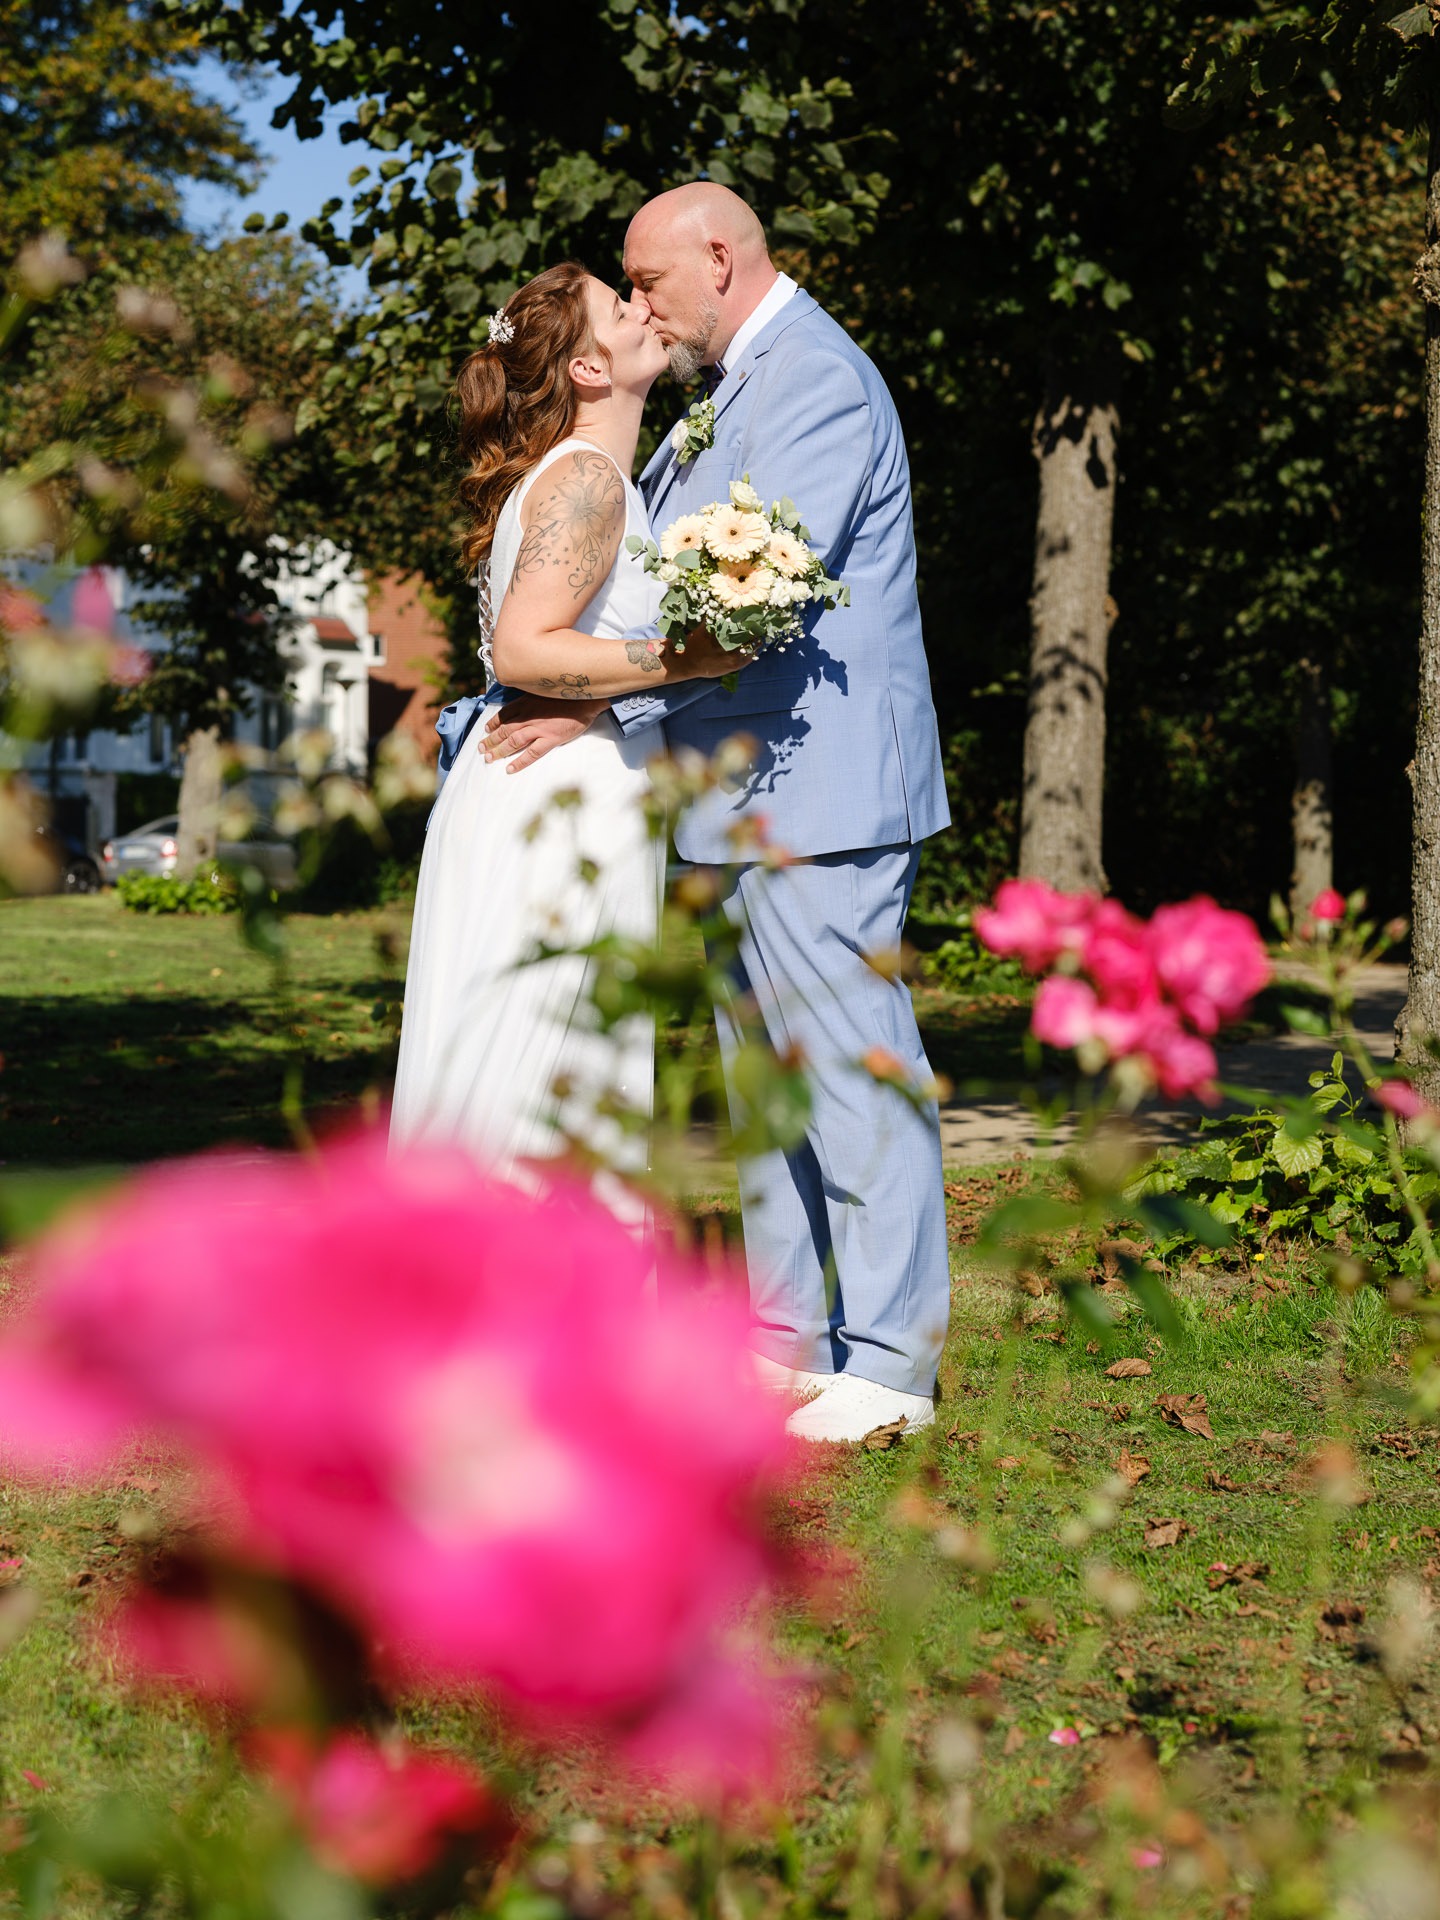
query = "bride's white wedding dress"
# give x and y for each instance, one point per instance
(485, 1037)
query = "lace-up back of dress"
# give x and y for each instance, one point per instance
(626, 600)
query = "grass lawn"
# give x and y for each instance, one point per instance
(130, 1037)
(988, 1583)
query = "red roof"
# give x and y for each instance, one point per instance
(331, 632)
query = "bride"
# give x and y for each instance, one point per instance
(549, 418)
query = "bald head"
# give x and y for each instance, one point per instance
(697, 257)
(699, 212)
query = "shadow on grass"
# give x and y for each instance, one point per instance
(129, 1077)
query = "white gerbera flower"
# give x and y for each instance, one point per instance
(685, 535)
(734, 534)
(743, 495)
(788, 555)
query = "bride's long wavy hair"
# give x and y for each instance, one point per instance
(515, 399)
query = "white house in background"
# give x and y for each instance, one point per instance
(327, 653)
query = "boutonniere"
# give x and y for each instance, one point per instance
(695, 432)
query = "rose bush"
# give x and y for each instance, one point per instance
(1146, 994)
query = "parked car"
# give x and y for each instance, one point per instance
(154, 848)
(74, 866)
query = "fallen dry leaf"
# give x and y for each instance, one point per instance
(1185, 1410)
(880, 1439)
(1165, 1533)
(1008, 1460)
(1237, 1576)
(1269, 1442)
(1341, 1622)
(1132, 1466)
(1402, 1443)
(968, 1441)
(1219, 1482)
(1014, 1740)
(1128, 1370)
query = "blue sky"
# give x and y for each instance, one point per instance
(300, 177)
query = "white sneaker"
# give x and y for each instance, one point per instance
(779, 1379)
(852, 1407)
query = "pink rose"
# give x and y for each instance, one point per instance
(377, 1813)
(1064, 1737)
(1065, 1011)
(1033, 922)
(448, 1408)
(1211, 962)
(1116, 954)
(1181, 1063)
(1327, 907)
(1400, 1098)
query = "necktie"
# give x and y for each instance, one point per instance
(712, 377)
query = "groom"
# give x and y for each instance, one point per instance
(847, 774)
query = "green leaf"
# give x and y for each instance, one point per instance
(1306, 1020)
(1025, 1218)
(1090, 1312)
(1296, 1152)
(1410, 24)
(1167, 1213)
(1155, 1303)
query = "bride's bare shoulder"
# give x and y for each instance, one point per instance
(578, 482)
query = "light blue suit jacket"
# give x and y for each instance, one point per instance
(848, 747)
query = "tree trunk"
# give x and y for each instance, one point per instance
(201, 785)
(1071, 613)
(1310, 808)
(1420, 1016)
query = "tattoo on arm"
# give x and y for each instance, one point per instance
(638, 653)
(574, 524)
(570, 686)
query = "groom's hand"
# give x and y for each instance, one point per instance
(527, 728)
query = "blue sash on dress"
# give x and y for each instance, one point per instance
(456, 722)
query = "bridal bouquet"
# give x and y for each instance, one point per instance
(742, 573)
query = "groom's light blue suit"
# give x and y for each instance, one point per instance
(845, 1239)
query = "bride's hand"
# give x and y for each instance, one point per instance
(705, 659)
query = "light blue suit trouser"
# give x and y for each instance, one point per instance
(844, 1238)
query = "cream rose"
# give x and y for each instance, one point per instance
(744, 496)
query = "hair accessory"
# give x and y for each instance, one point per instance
(502, 328)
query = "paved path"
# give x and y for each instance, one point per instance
(996, 1127)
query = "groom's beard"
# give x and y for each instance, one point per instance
(688, 356)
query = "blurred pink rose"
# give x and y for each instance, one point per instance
(1210, 961)
(1033, 922)
(1400, 1098)
(1116, 954)
(1327, 907)
(1180, 1063)
(379, 1814)
(1065, 1737)
(91, 605)
(1064, 1011)
(1144, 992)
(447, 1407)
